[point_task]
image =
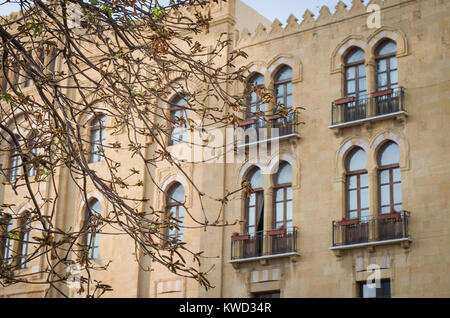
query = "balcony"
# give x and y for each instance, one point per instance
(264, 245)
(349, 111)
(275, 127)
(376, 230)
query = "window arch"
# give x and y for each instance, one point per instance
(175, 208)
(178, 118)
(282, 215)
(24, 240)
(91, 224)
(97, 138)
(357, 185)
(389, 178)
(387, 69)
(15, 161)
(355, 73)
(254, 103)
(6, 244)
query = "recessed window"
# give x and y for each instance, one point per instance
(355, 74)
(92, 216)
(357, 185)
(272, 294)
(390, 182)
(255, 87)
(24, 240)
(283, 197)
(371, 291)
(387, 69)
(179, 115)
(15, 162)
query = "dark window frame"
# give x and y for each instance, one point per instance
(277, 187)
(391, 183)
(357, 94)
(96, 156)
(378, 290)
(358, 174)
(176, 204)
(387, 58)
(173, 110)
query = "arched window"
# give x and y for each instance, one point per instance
(387, 70)
(283, 197)
(92, 215)
(15, 162)
(178, 117)
(98, 138)
(24, 240)
(6, 243)
(254, 104)
(175, 208)
(390, 182)
(355, 74)
(357, 185)
(254, 203)
(283, 95)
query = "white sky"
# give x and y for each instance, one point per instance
(271, 9)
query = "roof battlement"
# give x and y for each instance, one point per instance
(244, 37)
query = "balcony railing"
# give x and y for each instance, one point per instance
(255, 130)
(351, 109)
(382, 227)
(273, 242)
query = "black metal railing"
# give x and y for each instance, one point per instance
(258, 130)
(266, 243)
(351, 109)
(372, 229)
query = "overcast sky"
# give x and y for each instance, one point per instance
(271, 9)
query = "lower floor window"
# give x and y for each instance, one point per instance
(272, 294)
(372, 291)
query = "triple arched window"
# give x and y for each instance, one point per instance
(389, 182)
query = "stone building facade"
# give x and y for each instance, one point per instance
(362, 181)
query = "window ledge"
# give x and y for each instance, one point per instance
(234, 262)
(269, 140)
(369, 119)
(405, 240)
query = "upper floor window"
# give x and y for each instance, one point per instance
(283, 87)
(254, 203)
(387, 70)
(357, 185)
(355, 74)
(255, 86)
(390, 181)
(283, 197)
(91, 224)
(33, 150)
(15, 162)
(175, 208)
(98, 138)
(6, 243)
(179, 115)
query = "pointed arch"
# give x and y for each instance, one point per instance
(337, 62)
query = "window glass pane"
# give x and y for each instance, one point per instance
(382, 79)
(398, 207)
(365, 215)
(353, 215)
(289, 210)
(289, 193)
(284, 74)
(353, 200)
(280, 195)
(369, 292)
(289, 101)
(95, 207)
(397, 193)
(252, 201)
(397, 175)
(390, 154)
(279, 212)
(393, 63)
(279, 90)
(355, 56)
(357, 161)
(385, 290)
(388, 47)
(251, 216)
(362, 84)
(256, 179)
(350, 74)
(351, 86)
(362, 70)
(284, 174)
(352, 182)
(257, 79)
(181, 212)
(289, 88)
(394, 77)
(385, 195)
(381, 65)
(384, 176)
(364, 180)
(364, 198)
(176, 194)
(385, 209)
